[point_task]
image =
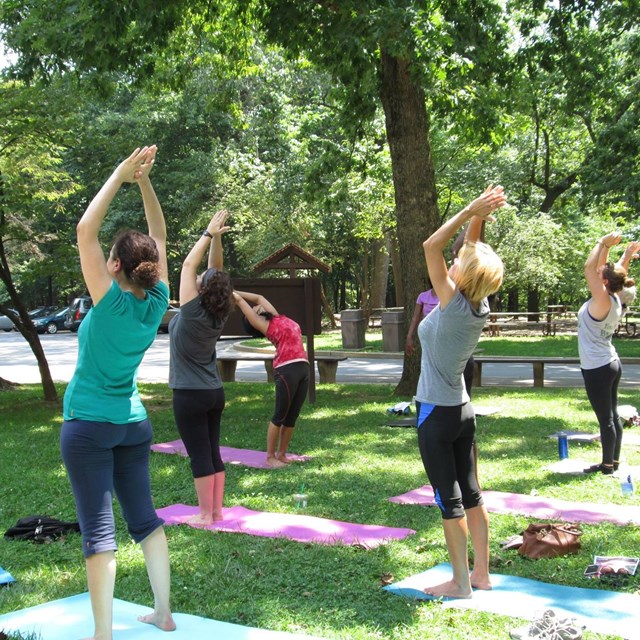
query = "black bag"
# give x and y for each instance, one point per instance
(40, 529)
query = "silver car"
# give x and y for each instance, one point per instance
(6, 324)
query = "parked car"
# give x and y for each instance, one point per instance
(41, 311)
(166, 318)
(52, 322)
(76, 312)
(6, 324)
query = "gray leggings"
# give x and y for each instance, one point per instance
(102, 457)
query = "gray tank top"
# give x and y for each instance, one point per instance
(594, 336)
(193, 335)
(448, 338)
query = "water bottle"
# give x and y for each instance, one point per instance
(563, 446)
(626, 487)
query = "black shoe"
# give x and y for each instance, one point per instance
(599, 468)
(616, 466)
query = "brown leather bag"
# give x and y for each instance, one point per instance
(549, 540)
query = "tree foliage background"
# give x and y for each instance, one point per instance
(277, 111)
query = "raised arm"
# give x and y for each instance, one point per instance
(153, 212)
(475, 213)
(600, 300)
(255, 319)
(630, 253)
(257, 299)
(92, 260)
(191, 264)
(216, 257)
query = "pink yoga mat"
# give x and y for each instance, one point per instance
(294, 526)
(538, 507)
(246, 457)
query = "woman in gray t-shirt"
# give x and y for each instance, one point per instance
(598, 319)
(206, 299)
(446, 421)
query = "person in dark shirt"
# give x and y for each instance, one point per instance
(206, 299)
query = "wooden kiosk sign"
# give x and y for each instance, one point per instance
(296, 298)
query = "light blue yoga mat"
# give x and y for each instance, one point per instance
(600, 611)
(6, 577)
(71, 618)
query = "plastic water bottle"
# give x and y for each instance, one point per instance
(626, 487)
(563, 446)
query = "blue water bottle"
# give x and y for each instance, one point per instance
(563, 446)
(626, 486)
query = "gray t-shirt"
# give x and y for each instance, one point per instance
(448, 337)
(193, 335)
(594, 336)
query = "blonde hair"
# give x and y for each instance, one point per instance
(478, 271)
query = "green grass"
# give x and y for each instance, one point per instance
(560, 345)
(358, 462)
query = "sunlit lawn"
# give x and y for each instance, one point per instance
(358, 463)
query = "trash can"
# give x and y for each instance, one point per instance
(393, 336)
(353, 328)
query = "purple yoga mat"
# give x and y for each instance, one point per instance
(537, 507)
(295, 526)
(246, 457)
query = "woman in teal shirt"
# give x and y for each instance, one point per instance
(106, 435)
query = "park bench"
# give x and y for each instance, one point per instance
(528, 320)
(327, 365)
(537, 362)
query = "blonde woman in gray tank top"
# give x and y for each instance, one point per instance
(446, 422)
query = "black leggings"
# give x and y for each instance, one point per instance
(292, 384)
(467, 374)
(445, 438)
(198, 413)
(601, 385)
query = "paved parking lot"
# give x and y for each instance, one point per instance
(18, 364)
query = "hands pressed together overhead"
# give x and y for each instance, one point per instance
(611, 239)
(489, 201)
(138, 165)
(217, 224)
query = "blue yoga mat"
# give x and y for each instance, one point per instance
(71, 618)
(5, 577)
(600, 611)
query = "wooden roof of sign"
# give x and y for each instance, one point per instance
(293, 258)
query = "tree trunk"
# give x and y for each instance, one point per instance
(407, 126)
(328, 311)
(380, 273)
(533, 303)
(6, 385)
(397, 273)
(26, 328)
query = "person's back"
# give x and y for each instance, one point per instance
(112, 341)
(193, 335)
(285, 334)
(453, 334)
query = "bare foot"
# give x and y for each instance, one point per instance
(481, 581)
(274, 463)
(163, 622)
(448, 590)
(283, 457)
(200, 520)
(217, 516)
